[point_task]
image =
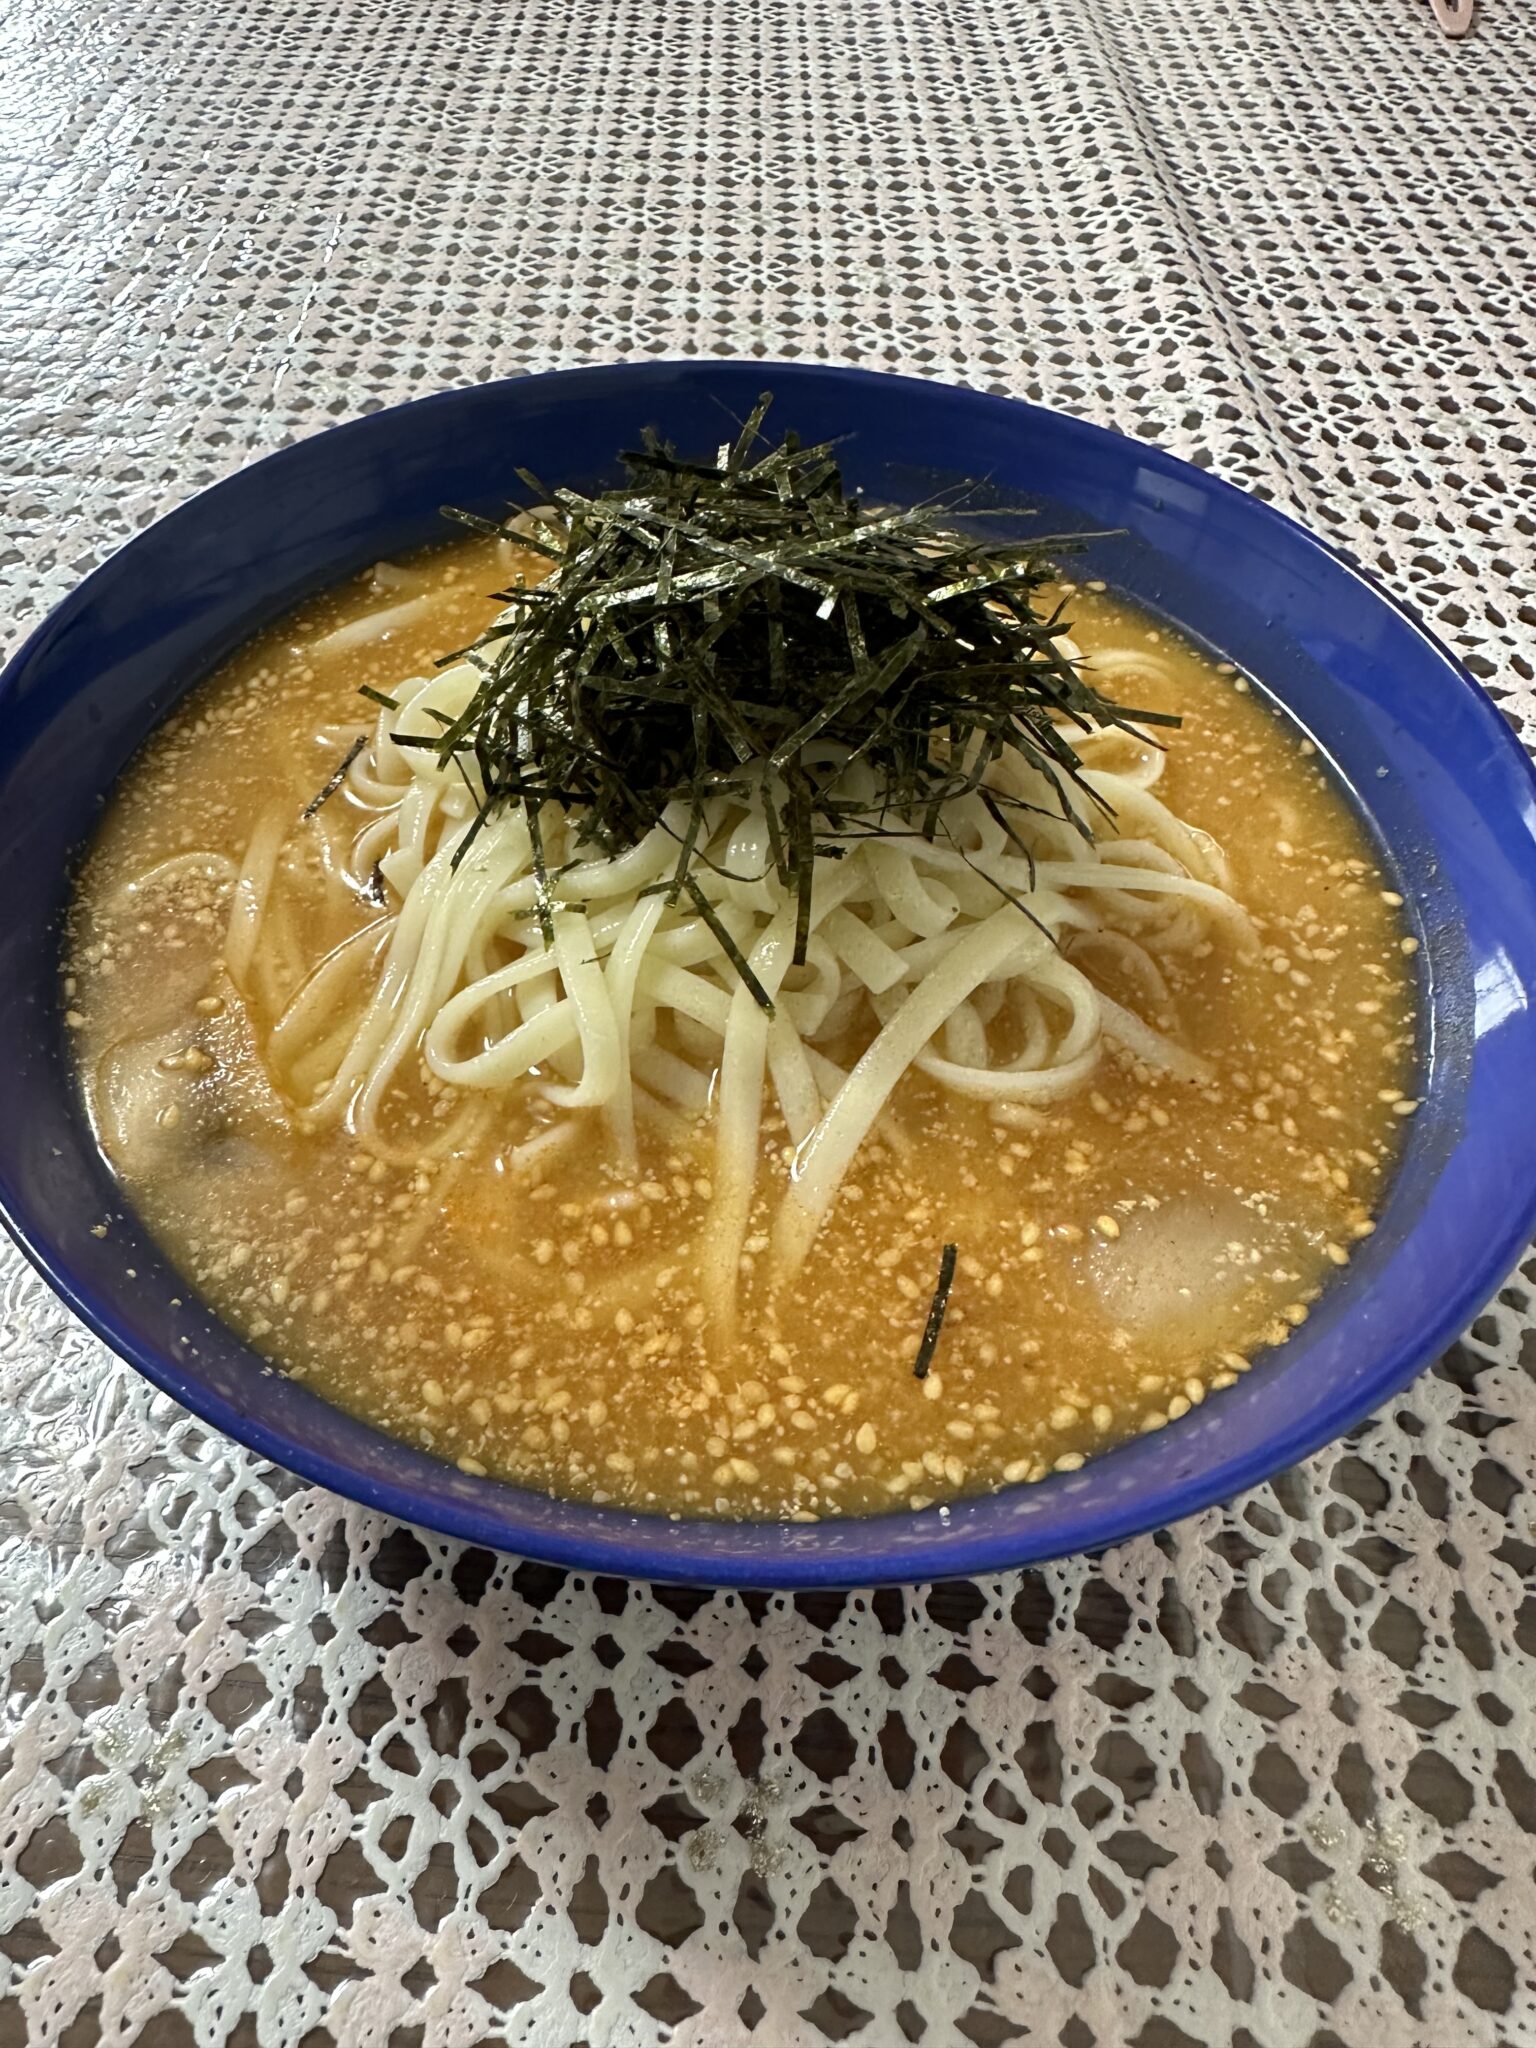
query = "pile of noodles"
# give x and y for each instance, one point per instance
(925, 953)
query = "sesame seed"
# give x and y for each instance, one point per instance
(1106, 1226)
(866, 1439)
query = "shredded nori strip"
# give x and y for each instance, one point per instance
(936, 1309)
(337, 777)
(728, 945)
(709, 626)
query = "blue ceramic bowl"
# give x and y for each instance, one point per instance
(1448, 790)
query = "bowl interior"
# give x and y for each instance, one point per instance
(1447, 789)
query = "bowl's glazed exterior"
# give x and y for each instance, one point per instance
(1449, 792)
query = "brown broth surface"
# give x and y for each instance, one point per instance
(1131, 1255)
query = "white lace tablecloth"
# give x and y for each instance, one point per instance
(276, 1772)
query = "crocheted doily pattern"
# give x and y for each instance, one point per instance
(276, 1772)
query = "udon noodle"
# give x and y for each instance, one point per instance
(935, 952)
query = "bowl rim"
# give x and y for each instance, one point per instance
(838, 1553)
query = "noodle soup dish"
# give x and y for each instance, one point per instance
(723, 1000)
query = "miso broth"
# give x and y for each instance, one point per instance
(1124, 1253)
